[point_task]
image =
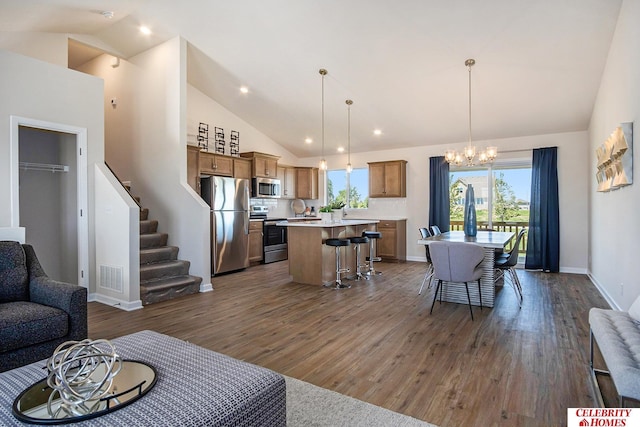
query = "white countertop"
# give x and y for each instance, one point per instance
(321, 224)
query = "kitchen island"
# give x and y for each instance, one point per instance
(314, 263)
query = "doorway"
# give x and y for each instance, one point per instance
(50, 195)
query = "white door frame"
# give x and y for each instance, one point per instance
(82, 196)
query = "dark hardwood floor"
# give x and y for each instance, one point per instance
(378, 343)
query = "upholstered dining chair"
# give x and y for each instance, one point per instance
(505, 264)
(425, 233)
(457, 262)
(435, 230)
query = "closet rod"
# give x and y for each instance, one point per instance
(43, 167)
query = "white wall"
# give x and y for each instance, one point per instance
(118, 241)
(37, 90)
(614, 228)
(48, 47)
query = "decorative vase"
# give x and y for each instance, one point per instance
(326, 217)
(470, 220)
(336, 215)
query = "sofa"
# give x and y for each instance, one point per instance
(36, 313)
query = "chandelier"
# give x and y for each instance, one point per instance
(469, 153)
(349, 103)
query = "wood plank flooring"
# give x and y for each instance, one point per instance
(378, 343)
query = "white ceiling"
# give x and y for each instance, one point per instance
(539, 62)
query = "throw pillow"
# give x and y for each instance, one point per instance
(14, 277)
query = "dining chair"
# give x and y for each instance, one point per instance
(506, 264)
(435, 230)
(457, 262)
(425, 233)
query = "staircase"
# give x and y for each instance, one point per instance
(162, 275)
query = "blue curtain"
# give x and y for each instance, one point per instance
(439, 193)
(543, 241)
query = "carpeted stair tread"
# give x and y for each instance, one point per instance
(168, 288)
(144, 214)
(153, 240)
(148, 226)
(164, 269)
(159, 254)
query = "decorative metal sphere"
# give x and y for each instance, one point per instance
(82, 373)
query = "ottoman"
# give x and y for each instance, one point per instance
(195, 387)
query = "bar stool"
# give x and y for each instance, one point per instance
(357, 241)
(337, 243)
(372, 235)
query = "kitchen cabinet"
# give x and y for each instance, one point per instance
(255, 241)
(264, 165)
(306, 183)
(241, 168)
(287, 177)
(215, 164)
(388, 179)
(393, 245)
(193, 171)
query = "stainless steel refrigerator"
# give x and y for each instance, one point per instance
(229, 201)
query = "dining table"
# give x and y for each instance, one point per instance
(490, 241)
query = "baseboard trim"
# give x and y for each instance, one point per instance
(604, 293)
(206, 287)
(114, 302)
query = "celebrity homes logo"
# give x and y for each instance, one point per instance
(603, 417)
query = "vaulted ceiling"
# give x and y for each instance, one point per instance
(538, 62)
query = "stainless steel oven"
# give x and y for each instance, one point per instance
(275, 241)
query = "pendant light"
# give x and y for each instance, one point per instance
(469, 152)
(323, 162)
(349, 103)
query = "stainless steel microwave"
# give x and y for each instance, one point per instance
(266, 187)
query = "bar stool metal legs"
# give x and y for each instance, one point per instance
(357, 241)
(372, 236)
(337, 243)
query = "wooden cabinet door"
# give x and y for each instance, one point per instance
(255, 241)
(376, 180)
(307, 183)
(266, 167)
(386, 247)
(213, 164)
(287, 176)
(193, 172)
(224, 165)
(241, 168)
(393, 245)
(388, 179)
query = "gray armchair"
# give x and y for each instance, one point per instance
(36, 313)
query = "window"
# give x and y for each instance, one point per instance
(502, 194)
(352, 189)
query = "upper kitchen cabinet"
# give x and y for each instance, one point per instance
(215, 164)
(264, 165)
(287, 177)
(241, 168)
(193, 172)
(306, 183)
(388, 179)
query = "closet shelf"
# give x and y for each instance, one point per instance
(43, 167)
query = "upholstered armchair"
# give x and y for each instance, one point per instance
(36, 313)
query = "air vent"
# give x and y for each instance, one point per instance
(111, 278)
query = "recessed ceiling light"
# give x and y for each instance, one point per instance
(340, 149)
(377, 132)
(145, 30)
(308, 140)
(244, 89)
